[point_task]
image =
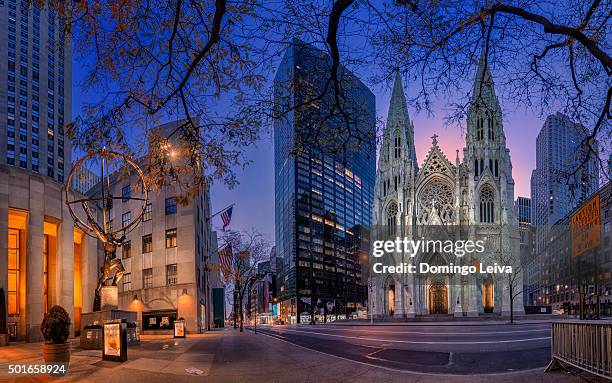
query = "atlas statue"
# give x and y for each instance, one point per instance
(99, 202)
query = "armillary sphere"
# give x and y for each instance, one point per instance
(103, 199)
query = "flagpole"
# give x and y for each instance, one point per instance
(219, 212)
(207, 273)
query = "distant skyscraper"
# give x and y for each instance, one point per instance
(554, 190)
(530, 268)
(36, 78)
(323, 198)
(523, 210)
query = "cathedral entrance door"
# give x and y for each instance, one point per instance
(391, 300)
(438, 299)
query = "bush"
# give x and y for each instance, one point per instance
(56, 325)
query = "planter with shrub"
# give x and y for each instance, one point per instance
(56, 330)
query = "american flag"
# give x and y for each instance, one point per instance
(226, 259)
(226, 217)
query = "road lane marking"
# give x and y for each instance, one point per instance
(416, 341)
(403, 371)
(439, 333)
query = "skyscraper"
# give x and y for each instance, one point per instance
(530, 268)
(44, 259)
(323, 195)
(36, 78)
(559, 183)
(554, 190)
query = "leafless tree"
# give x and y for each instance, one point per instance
(211, 62)
(248, 250)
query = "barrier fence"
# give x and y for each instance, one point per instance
(586, 345)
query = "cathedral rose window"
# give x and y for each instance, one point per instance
(439, 195)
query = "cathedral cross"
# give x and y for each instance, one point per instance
(434, 139)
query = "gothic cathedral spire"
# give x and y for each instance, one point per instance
(399, 130)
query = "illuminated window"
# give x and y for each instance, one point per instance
(148, 212)
(46, 272)
(13, 272)
(126, 249)
(170, 238)
(171, 273)
(147, 244)
(147, 278)
(127, 281)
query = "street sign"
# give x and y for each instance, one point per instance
(586, 227)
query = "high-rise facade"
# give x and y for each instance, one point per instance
(563, 178)
(44, 259)
(530, 268)
(554, 190)
(323, 197)
(36, 90)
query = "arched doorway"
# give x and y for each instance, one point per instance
(488, 297)
(438, 299)
(390, 306)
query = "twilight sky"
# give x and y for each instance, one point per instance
(254, 196)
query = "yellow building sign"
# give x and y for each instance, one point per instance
(586, 227)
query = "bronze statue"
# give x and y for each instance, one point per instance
(112, 269)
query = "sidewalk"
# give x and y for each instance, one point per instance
(230, 356)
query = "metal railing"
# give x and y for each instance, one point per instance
(586, 345)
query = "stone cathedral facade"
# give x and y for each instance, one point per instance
(472, 198)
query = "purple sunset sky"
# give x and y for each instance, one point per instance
(254, 196)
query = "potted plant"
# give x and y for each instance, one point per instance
(56, 330)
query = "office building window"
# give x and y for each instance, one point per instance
(147, 243)
(13, 272)
(126, 193)
(148, 212)
(147, 278)
(127, 281)
(171, 274)
(126, 219)
(126, 249)
(170, 206)
(170, 238)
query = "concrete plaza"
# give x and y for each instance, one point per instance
(231, 356)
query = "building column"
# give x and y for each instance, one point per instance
(34, 261)
(65, 265)
(472, 310)
(4, 238)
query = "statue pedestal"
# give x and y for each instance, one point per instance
(109, 298)
(91, 327)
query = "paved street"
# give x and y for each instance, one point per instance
(230, 356)
(442, 349)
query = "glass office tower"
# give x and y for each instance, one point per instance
(324, 182)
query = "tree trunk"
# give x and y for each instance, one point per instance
(241, 312)
(511, 304)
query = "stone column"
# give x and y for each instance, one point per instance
(65, 264)
(34, 260)
(4, 177)
(472, 310)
